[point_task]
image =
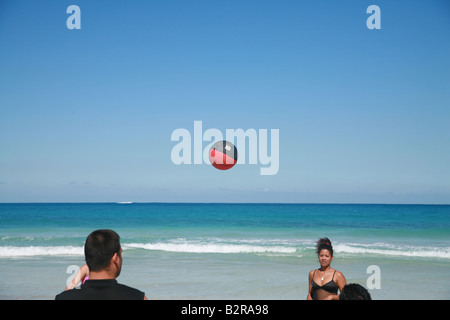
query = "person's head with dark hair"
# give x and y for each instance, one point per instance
(324, 251)
(354, 291)
(103, 252)
(103, 255)
(324, 243)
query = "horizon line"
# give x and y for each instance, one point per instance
(239, 203)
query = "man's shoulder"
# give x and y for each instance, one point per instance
(102, 290)
(131, 291)
(72, 294)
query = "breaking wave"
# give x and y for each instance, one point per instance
(32, 251)
(293, 248)
(211, 248)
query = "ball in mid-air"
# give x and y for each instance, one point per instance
(223, 155)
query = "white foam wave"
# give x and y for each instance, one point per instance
(389, 250)
(239, 246)
(32, 251)
(211, 248)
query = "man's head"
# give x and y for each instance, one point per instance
(103, 252)
(354, 291)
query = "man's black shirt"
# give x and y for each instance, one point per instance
(102, 290)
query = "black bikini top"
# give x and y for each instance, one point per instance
(330, 287)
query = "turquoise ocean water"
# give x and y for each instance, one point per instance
(229, 251)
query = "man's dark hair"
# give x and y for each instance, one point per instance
(354, 291)
(100, 247)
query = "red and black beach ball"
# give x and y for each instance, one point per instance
(223, 155)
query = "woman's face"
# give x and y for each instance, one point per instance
(325, 257)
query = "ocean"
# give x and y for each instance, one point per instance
(229, 251)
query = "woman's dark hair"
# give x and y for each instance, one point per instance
(100, 247)
(324, 243)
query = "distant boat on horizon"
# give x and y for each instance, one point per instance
(125, 202)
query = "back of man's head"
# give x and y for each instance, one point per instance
(354, 291)
(100, 247)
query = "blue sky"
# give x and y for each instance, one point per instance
(87, 115)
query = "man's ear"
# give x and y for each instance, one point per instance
(115, 258)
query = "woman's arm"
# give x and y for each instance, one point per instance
(80, 275)
(341, 282)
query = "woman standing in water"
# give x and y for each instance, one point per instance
(325, 282)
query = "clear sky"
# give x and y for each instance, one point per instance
(87, 115)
